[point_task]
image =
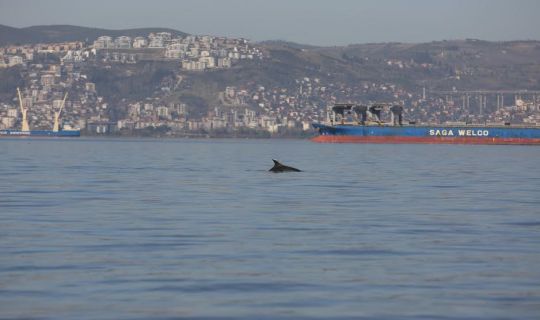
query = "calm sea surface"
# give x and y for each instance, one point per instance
(165, 229)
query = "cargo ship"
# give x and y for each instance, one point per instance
(41, 133)
(349, 124)
(55, 132)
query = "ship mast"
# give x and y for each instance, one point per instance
(57, 115)
(25, 126)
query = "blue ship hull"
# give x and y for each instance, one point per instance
(427, 134)
(40, 133)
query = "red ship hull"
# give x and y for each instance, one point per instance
(425, 140)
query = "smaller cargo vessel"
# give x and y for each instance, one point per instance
(41, 133)
(349, 124)
(55, 132)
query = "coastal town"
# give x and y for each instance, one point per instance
(46, 72)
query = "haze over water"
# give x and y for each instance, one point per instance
(163, 229)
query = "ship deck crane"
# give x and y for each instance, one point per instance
(56, 124)
(24, 126)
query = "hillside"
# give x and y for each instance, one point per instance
(343, 71)
(460, 64)
(62, 33)
(277, 81)
(464, 64)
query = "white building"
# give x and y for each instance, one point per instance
(8, 122)
(15, 60)
(158, 40)
(224, 62)
(122, 42)
(140, 42)
(166, 36)
(14, 113)
(193, 52)
(90, 86)
(163, 112)
(193, 65)
(234, 55)
(209, 62)
(104, 42)
(175, 51)
(207, 39)
(134, 110)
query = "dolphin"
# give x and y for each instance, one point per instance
(278, 167)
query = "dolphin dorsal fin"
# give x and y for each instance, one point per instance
(278, 167)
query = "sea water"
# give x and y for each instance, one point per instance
(199, 229)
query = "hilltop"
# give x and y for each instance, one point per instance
(63, 33)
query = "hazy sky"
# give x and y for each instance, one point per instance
(319, 22)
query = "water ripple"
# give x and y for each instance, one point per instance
(199, 229)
